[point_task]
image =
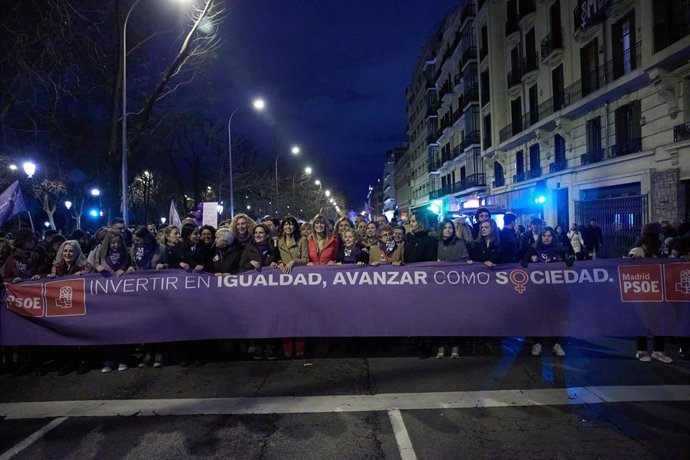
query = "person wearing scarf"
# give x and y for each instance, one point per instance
(242, 227)
(260, 252)
(351, 252)
(450, 247)
(386, 251)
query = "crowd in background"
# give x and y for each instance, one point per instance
(243, 244)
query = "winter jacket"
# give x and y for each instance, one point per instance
(455, 251)
(297, 252)
(328, 254)
(420, 247)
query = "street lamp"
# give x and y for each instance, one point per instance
(29, 169)
(317, 182)
(327, 193)
(259, 105)
(125, 214)
(68, 204)
(307, 170)
(295, 151)
(95, 192)
(13, 167)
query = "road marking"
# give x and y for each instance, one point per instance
(346, 403)
(32, 439)
(401, 435)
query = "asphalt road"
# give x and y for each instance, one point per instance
(361, 400)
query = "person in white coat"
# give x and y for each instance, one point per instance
(577, 242)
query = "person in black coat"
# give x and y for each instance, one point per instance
(487, 247)
(529, 238)
(226, 259)
(420, 246)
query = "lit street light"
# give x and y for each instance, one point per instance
(29, 169)
(295, 150)
(68, 204)
(259, 105)
(317, 182)
(13, 167)
(307, 170)
(327, 193)
(95, 192)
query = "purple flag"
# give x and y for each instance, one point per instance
(11, 202)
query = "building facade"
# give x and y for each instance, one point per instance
(582, 113)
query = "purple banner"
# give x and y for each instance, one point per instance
(607, 297)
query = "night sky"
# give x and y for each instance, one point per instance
(333, 74)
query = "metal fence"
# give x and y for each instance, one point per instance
(621, 220)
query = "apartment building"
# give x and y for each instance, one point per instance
(584, 108)
(393, 157)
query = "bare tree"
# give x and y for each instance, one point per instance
(49, 194)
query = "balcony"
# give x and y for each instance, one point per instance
(519, 177)
(558, 166)
(529, 64)
(467, 11)
(511, 26)
(505, 133)
(469, 53)
(432, 138)
(526, 7)
(551, 43)
(515, 77)
(594, 156)
(434, 166)
(471, 181)
(470, 139)
(534, 173)
(457, 151)
(432, 110)
(471, 95)
(483, 52)
(681, 132)
(499, 182)
(627, 147)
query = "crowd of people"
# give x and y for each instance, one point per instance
(242, 244)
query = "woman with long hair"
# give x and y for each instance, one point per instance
(420, 245)
(112, 256)
(70, 260)
(450, 247)
(487, 247)
(323, 246)
(189, 240)
(172, 254)
(292, 247)
(242, 227)
(145, 253)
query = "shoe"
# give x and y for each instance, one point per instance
(454, 353)
(147, 361)
(107, 367)
(558, 350)
(288, 348)
(643, 356)
(300, 347)
(271, 353)
(158, 360)
(661, 356)
(122, 367)
(440, 353)
(536, 349)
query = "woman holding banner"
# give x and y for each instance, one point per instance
(487, 247)
(323, 247)
(242, 227)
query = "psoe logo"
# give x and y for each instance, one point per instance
(26, 299)
(677, 281)
(640, 283)
(65, 298)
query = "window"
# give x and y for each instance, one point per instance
(589, 66)
(463, 173)
(484, 45)
(594, 138)
(484, 82)
(534, 161)
(499, 179)
(558, 88)
(671, 22)
(516, 114)
(624, 55)
(530, 51)
(533, 105)
(486, 142)
(520, 162)
(558, 149)
(628, 131)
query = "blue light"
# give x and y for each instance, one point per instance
(93, 213)
(541, 199)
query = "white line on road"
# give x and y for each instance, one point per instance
(32, 439)
(401, 435)
(346, 403)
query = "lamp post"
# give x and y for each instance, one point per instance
(125, 214)
(258, 105)
(295, 151)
